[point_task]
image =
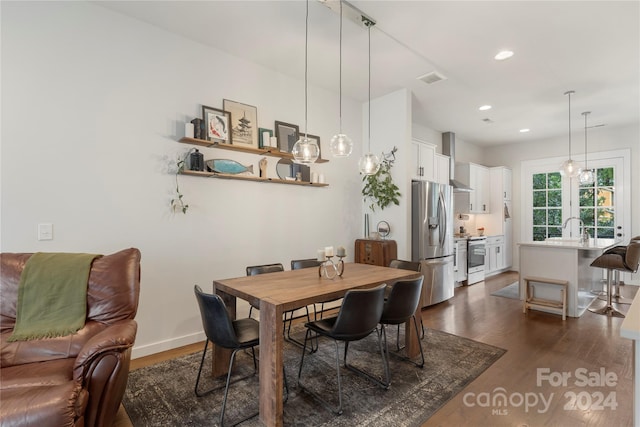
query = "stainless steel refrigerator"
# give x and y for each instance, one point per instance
(432, 238)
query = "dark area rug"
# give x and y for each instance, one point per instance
(162, 394)
(511, 291)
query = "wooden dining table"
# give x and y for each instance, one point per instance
(276, 293)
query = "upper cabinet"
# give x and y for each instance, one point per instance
(442, 168)
(500, 185)
(478, 200)
(423, 161)
(506, 182)
(500, 223)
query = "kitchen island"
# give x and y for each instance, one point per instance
(564, 259)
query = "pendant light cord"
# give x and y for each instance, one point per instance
(585, 114)
(369, 136)
(569, 93)
(306, 49)
(340, 73)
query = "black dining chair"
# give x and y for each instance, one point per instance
(358, 316)
(297, 264)
(254, 270)
(400, 307)
(235, 335)
(413, 266)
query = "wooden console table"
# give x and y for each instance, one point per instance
(375, 252)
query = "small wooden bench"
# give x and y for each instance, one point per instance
(531, 301)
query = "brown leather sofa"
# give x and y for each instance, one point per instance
(79, 379)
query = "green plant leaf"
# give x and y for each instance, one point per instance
(379, 188)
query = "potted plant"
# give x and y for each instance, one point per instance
(379, 188)
(178, 203)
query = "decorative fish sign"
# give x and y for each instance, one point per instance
(227, 166)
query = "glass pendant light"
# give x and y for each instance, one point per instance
(305, 150)
(587, 176)
(341, 145)
(369, 164)
(569, 168)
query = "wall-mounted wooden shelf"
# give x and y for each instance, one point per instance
(250, 178)
(270, 151)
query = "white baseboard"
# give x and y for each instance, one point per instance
(157, 347)
(160, 346)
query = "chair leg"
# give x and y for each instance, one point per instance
(336, 410)
(421, 337)
(288, 336)
(227, 383)
(617, 298)
(382, 383)
(226, 393)
(608, 309)
(204, 352)
(400, 356)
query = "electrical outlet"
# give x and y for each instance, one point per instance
(45, 231)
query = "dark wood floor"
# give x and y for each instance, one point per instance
(586, 346)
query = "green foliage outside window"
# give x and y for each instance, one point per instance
(597, 202)
(547, 205)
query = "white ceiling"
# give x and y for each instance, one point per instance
(592, 47)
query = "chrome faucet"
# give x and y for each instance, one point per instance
(584, 234)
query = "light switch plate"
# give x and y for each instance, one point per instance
(45, 231)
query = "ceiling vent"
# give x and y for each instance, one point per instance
(432, 77)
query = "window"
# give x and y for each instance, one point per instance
(597, 207)
(547, 205)
(549, 199)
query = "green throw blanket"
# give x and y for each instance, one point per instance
(52, 295)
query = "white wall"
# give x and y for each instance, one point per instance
(93, 104)
(391, 126)
(600, 139)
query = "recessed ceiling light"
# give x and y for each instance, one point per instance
(485, 108)
(525, 130)
(505, 54)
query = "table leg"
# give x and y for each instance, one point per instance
(271, 362)
(411, 340)
(221, 356)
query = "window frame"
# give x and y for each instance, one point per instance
(619, 159)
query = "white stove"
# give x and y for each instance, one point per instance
(476, 250)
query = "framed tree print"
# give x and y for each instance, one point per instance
(244, 123)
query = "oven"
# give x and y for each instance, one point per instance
(476, 250)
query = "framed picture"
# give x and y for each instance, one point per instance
(287, 135)
(216, 124)
(264, 137)
(317, 140)
(244, 123)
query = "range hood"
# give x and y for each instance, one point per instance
(449, 149)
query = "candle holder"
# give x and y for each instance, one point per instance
(331, 269)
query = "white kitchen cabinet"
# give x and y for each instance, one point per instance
(461, 261)
(506, 182)
(500, 221)
(442, 168)
(478, 200)
(494, 260)
(423, 160)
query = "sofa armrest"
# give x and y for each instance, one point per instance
(116, 338)
(102, 367)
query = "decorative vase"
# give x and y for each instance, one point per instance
(366, 226)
